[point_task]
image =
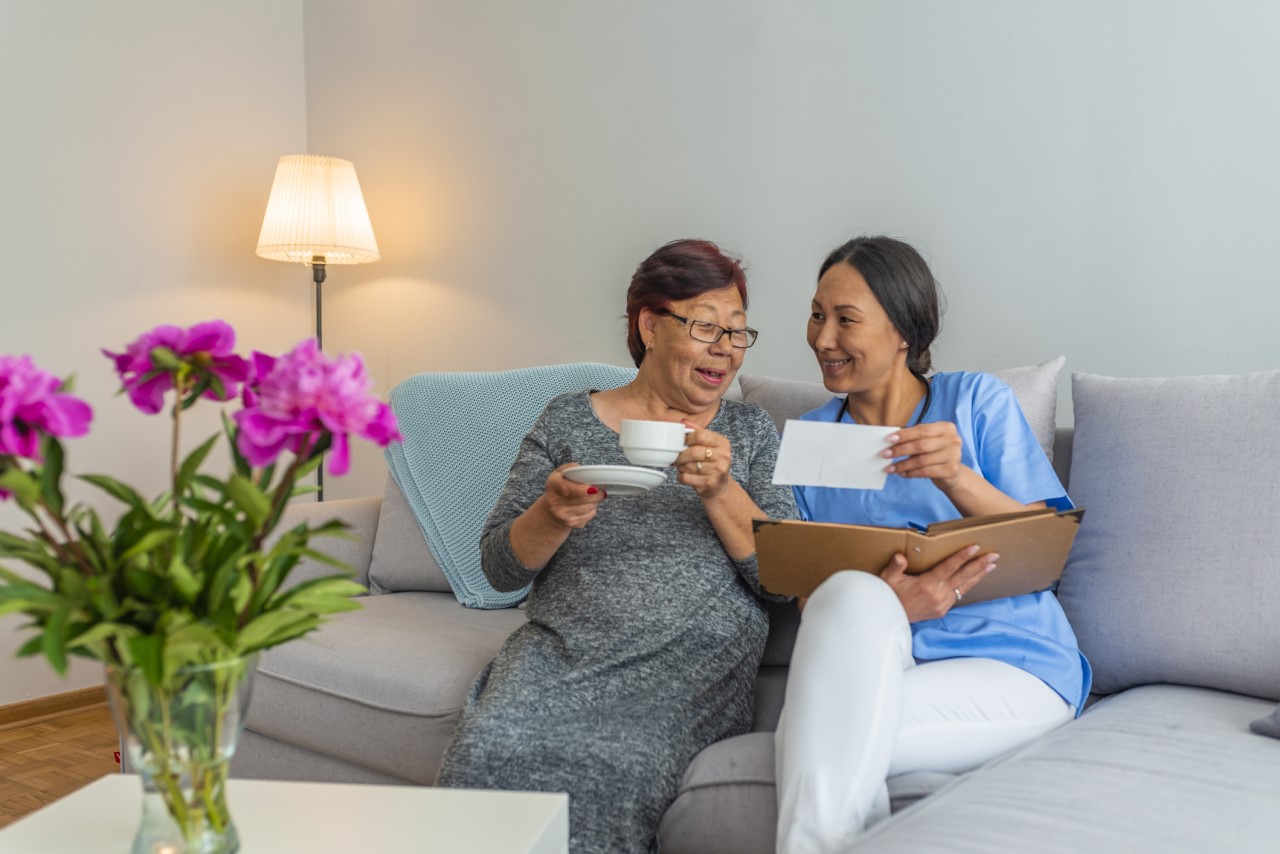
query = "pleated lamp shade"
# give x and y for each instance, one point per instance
(316, 213)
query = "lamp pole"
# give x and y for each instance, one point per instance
(317, 276)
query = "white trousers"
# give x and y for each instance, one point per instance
(859, 709)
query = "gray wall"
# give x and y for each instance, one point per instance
(1097, 178)
(139, 143)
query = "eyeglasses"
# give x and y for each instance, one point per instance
(710, 333)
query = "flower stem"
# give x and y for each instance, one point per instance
(173, 453)
(70, 549)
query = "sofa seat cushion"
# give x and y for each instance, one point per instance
(727, 801)
(1157, 768)
(380, 687)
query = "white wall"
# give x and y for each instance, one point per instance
(1098, 178)
(139, 146)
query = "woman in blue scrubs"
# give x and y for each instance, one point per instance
(896, 673)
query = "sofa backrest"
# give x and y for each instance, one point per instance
(1035, 386)
(1173, 576)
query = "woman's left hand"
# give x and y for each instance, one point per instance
(931, 450)
(704, 463)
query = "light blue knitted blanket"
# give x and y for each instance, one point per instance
(461, 434)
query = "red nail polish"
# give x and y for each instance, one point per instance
(591, 490)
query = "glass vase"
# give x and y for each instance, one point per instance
(179, 736)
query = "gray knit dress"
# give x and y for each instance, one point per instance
(642, 643)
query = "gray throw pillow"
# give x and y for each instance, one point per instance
(1173, 575)
(1035, 387)
(401, 559)
(1270, 725)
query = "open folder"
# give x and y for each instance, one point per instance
(795, 557)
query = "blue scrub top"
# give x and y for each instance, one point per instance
(1030, 632)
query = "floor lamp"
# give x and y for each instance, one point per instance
(316, 216)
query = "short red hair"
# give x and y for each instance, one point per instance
(678, 270)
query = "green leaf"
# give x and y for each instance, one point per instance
(18, 606)
(274, 628)
(33, 595)
(192, 644)
(242, 466)
(51, 473)
(313, 462)
(249, 499)
(31, 647)
(219, 388)
(165, 359)
(55, 640)
(194, 460)
(23, 485)
(216, 510)
(241, 591)
(327, 595)
(148, 541)
(193, 396)
(117, 490)
(97, 633)
(184, 580)
(146, 652)
(142, 584)
(36, 552)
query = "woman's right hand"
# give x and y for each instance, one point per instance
(569, 504)
(933, 593)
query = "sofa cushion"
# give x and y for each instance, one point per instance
(401, 560)
(727, 801)
(1158, 768)
(1270, 725)
(1035, 386)
(1173, 576)
(380, 687)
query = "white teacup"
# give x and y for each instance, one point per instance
(652, 443)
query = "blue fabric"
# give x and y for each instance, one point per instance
(1030, 632)
(461, 434)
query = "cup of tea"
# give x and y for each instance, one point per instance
(652, 443)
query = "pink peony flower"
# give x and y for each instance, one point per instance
(293, 401)
(206, 347)
(32, 406)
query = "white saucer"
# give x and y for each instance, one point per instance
(618, 480)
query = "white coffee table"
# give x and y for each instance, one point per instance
(276, 817)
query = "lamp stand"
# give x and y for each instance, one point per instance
(317, 276)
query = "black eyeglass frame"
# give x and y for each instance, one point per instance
(751, 334)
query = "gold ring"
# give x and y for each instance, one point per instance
(708, 454)
(699, 465)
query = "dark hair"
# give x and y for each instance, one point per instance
(678, 270)
(904, 286)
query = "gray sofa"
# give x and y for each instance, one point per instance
(1173, 588)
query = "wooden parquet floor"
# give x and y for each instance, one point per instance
(47, 759)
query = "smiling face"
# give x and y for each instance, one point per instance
(858, 348)
(692, 375)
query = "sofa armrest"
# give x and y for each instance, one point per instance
(360, 514)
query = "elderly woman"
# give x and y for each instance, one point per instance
(646, 624)
(896, 673)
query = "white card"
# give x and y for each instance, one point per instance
(822, 453)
